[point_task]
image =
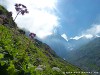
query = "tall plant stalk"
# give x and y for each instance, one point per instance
(20, 8)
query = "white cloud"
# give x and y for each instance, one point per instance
(76, 37)
(87, 36)
(97, 35)
(64, 36)
(42, 18)
(94, 31)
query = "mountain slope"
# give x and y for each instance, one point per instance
(63, 47)
(20, 55)
(87, 56)
(58, 44)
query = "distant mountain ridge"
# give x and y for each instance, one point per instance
(83, 52)
(87, 56)
(61, 46)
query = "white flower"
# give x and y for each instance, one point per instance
(39, 69)
(56, 69)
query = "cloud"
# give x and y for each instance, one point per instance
(87, 36)
(76, 37)
(94, 31)
(97, 35)
(42, 18)
(64, 36)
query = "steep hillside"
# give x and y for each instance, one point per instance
(20, 55)
(87, 56)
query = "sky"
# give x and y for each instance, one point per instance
(72, 19)
(78, 16)
(42, 18)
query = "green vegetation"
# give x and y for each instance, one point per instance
(20, 55)
(3, 10)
